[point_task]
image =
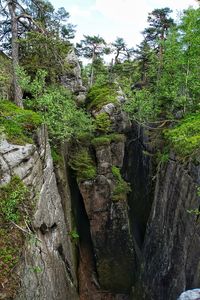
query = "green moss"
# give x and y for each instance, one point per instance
(185, 137)
(107, 139)
(12, 195)
(101, 95)
(83, 164)
(56, 156)
(102, 123)
(5, 76)
(16, 208)
(122, 188)
(19, 124)
(11, 242)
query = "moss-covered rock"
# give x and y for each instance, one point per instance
(12, 197)
(185, 137)
(100, 95)
(107, 139)
(103, 123)
(81, 162)
(15, 207)
(122, 188)
(18, 124)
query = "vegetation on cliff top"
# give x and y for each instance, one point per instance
(18, 124)
(107, 139)
(100, 95)
(185, 137)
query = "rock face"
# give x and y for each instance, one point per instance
(112, 244)
(47, 267)
(72, 79)
(109, 225)
(171, 247)
(190, 295)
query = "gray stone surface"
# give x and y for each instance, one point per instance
(109, 223)
(47, 268)
(72, 79)
(171, 252)
(190, 295)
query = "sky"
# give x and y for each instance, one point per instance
(116, 18)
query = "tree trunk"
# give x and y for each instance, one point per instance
(15, 54)
(92, 69)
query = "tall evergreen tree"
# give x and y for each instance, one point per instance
(93, 48)
(21, 17)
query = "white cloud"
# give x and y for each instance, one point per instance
(125, 11)
(129, 11)
(76, 11)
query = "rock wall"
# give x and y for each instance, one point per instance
(47, 268)
(109, 223)
(171, 249)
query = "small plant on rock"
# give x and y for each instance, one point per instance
(12, 195)
(122, 188)
(103, 123)
(82, 163)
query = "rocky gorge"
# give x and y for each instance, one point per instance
(124, 233)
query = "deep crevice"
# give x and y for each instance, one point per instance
(138, 170)
(81, 221)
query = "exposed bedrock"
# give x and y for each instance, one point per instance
(171, 245)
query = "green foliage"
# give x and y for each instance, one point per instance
(12, 195)
(74, 235)
(36, 86)
(61, 115)
(141, 106)
(10, 249)
(41, 51)
(198, 191)
(122, 188)
(102, 123)
(107, 139)
(19, 124)
(194, 212)
(82, 163)
(37, 269)
(56, 156)
(185, 137)
(5, 76)
(162, 157)
(159, 24)
(100, 95)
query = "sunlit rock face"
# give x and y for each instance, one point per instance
(46, 269)
(72, 78)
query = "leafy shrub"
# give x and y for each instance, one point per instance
(141, 106)
(101, 95)
(19, 124)
(107, 139)
(5, 76)
(56, 156)
(12, 195)
(103, 123)
(185, 137)
(61, 115)
(83, 164)
(122, 188)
